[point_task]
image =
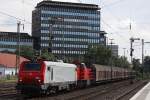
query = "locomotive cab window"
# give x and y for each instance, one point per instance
(32, 67)
(49, 68)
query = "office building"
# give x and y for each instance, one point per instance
(114, 49)
(9, 41)
(66, 29)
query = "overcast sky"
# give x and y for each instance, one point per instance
(116, 16)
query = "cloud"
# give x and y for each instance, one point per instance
(20, 9)
(115, 18)
(118, 16)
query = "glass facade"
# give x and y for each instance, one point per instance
(8, 41)
(78, 28)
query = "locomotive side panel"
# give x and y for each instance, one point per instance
(61, 75)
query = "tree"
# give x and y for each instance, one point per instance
(136, 65)
(121, 62)
(99, 55)
(47, 56)
(27, 52)
(102, 55)
(147, 64)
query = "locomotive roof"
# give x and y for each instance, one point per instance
(61, 64)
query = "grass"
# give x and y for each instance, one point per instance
(8, 79)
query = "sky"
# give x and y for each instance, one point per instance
(116, 16)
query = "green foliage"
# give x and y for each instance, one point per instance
(27, 52)
(136, 65)
(146, 75)
(121, 62)
(147, 64)
(143, 72)
(99, 55)
(47, 56)
(102, 55)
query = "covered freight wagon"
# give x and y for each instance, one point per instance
(106, 73)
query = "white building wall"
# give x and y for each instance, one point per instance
(2, 71)
(7, 71)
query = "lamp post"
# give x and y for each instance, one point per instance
(63, 41)
(124, 50)
(131, 48)
(111, 56)
(18, 47)
(131, 53)
(143, 54)
(143, 43)
(52, 21)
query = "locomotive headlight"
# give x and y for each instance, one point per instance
(39, 80)
(20, 80)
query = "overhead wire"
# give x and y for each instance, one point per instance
(23, 11)
(124, 39)
(32, 5)
(101, 2)
(27, 3)
(116, 33)
(23, 6)
(118, 19)
(17, 18)
(132, 31)
(113, 3)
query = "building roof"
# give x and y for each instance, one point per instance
(14, 35)
(9, 60)
(103, 32)
(68, 4)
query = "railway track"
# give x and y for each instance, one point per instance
(7, 90)
(125, 95)
(102, 92)
(87, 94)
(99, 91)
(109, 91)
(6, 85)
(120, 93)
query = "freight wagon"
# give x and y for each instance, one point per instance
(108, 73)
